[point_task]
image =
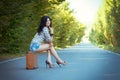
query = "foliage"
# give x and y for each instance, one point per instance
(106, 28)
(68, 30)
(20, 19)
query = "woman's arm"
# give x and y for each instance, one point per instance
(48, 36)
(51, 33)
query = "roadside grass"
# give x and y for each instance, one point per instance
(7, 56)
(110, 48)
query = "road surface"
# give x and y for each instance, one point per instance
(85, 62)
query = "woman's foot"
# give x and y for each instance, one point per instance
(61, 63)
(49, 64)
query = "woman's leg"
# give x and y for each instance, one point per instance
(46, 47)
(54, 53)
(43, 47)
(48, 61)
(49, 56)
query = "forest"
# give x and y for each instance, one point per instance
(19, 20)
(105, 30)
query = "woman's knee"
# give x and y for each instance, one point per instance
(50, 46)
(46, 47)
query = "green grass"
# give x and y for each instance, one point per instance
(7, 56)
(110, 48)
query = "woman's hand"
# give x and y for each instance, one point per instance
(51, 44)
(51, 30)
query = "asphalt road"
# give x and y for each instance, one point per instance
(85, 62)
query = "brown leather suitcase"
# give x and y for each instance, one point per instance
(31, 60)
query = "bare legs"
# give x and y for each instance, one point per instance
(54, 53)
(58, 59)
(48, 61)
(51, 51)
(49, 56)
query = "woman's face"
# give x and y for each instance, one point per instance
(48, 22)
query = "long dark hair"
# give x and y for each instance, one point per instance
(43, 23)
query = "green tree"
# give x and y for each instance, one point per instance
(107, 24)
(19, 21)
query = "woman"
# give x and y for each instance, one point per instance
(45, 33)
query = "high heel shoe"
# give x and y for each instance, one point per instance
(49, 64)
(61, 63)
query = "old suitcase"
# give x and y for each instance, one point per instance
(31, 60)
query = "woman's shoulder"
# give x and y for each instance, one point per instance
(45, 29)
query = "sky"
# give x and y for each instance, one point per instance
(85, 10)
